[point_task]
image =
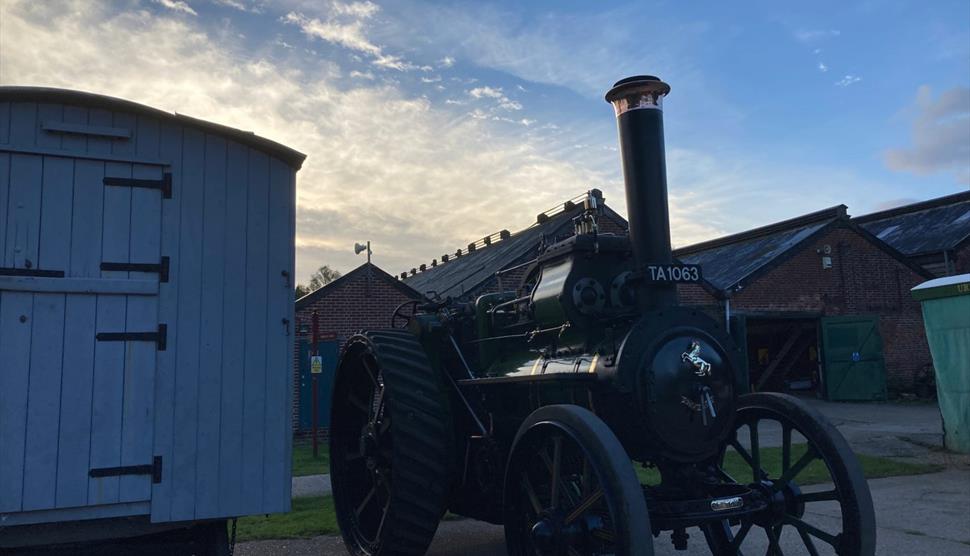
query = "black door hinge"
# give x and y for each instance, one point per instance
(160, 337)
(154, 469)
(164, 184)
(161, 268)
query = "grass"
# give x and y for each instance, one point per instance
(314, 516)
(310, 517)
(873, 467)
(303, 462)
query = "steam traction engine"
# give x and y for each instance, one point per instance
(539, 411)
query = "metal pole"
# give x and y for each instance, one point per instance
(315, 382)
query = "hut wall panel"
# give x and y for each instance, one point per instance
(214, 405)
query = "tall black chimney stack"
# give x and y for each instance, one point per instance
(638, 103)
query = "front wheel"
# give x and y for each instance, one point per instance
(570, 489)
(818, 498)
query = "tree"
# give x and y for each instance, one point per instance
(323, 276)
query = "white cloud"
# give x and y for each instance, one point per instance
(177, 6)
(497, 94)
(941, 135)
(433, 79)
(238, 5)
(446, 62)
(812, 35)
(822, 67)
(848, 80)
(388, 167)
(345, 26)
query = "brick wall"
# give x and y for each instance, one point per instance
(362, 301)
(863, 280)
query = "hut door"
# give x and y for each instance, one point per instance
(79, 330)
(854, 367)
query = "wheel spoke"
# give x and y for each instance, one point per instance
(742, 532)
(584, 505)
(774, 549)
(531, 493)
(380, 527)
(794, 470)
(755, 452)
(744, 455)
(604, 535)
(807, 540)
(556, 469)
(367, 499)
(833, 540)
(806, 497)
(785, 447)
(371, 371)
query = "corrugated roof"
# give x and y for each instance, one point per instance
(464, 274)
(728, 260)
(927, 227)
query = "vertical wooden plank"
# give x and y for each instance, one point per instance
(4, 122)
(99, 117)
(6, 215)
(51, 113)
(233, 341)
(257, 316)
(147, 137)
(170, 148)
(186, 417)
(23, 228)
(86, 225)
(43, 402)
(77, 436)
(142, 315)
(23, 124)
(16, 312)
(111, 357)
(74, 440)
(72, 141)
(210, 355)
(124, 120)
(57, 195)
(278, 338)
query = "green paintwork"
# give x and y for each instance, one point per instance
(854, 366)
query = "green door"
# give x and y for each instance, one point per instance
(328, 351)
(854, 368)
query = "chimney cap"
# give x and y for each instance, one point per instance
(639, 91)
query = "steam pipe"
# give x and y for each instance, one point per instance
(638, 104)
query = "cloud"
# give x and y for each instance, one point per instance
(446, 62)
(848, 80)
(238, 5)
(497, 94)
(344, 26)
(177, 6)
(941, 136)
(822, 67)
(813, 35)
(388, 166)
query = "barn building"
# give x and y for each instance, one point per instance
(821, 302)
(934, 234)
(363, 298)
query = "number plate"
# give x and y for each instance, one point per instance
(673, 273)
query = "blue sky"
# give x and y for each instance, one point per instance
(431, 124)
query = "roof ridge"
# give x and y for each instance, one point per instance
(831, 213)
(952, 198)
(565, 207)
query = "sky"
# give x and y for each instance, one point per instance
(429, 125)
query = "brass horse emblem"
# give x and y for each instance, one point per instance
(693, 356)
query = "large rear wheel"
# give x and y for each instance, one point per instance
(570, 489)
(390, 445)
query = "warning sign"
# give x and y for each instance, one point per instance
(316, 364)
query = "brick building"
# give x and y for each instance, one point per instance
(363, 298)
(820, 302)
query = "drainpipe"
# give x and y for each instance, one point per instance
(727, 314)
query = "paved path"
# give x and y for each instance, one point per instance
(925, 514)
